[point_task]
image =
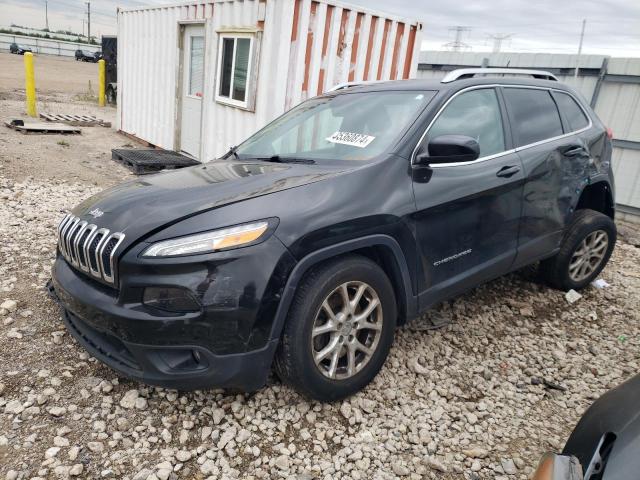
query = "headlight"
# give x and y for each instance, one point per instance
(208, 242)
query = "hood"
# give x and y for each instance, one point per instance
(142, 206)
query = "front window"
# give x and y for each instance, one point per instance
(475, 114)
(234, 69)
(352, 126)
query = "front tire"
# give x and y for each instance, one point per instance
(585, 250)
(339, 329)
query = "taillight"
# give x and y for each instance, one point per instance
(609, 133)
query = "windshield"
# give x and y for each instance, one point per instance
(353, 126)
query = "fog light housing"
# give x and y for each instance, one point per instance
(170, 299)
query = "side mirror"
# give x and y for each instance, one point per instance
(449, 149)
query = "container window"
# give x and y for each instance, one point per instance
(227, 65)
(196, 66)
(234, 69)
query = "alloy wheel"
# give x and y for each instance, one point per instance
(589, 255)
(346, 330)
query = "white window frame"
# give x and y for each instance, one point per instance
(249, 84)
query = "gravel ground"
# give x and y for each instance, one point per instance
(465, 401)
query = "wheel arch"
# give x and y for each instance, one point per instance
(597, 196)
(382, 249)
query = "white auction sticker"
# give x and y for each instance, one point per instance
(359, 140)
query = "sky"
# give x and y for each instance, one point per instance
(552, 26)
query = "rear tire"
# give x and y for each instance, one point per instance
(585, 250)
(331, 348)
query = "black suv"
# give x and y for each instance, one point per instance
(18, 49)
(308, 244)
(85, 56)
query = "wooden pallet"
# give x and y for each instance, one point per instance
(75, 120)
(41, 127)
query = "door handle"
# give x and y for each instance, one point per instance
(508, 171)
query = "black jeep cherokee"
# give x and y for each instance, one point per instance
(306, 245)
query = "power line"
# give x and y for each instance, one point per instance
(89, 22)
(458, 45)
(498, 38)
(584, 23)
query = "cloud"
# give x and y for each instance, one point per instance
(613, 26)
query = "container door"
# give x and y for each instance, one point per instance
(192, 89)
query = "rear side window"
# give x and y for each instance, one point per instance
(534, 115)
(571, 111)
(475, 114)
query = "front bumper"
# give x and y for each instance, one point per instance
(226, 344)
(170, 366)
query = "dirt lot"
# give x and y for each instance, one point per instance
(459, 402)
(53, 74)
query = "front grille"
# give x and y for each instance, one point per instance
(89, 248)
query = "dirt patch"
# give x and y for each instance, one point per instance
(53, 74)
(85, 157)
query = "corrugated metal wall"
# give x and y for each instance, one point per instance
(305, 47)
(611, 84)
(332, 44)
(147, 62)
(619, 108)
(559, 63)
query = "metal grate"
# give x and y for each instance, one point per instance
(89, 248)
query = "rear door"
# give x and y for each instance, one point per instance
(468, 213)
(556, 162)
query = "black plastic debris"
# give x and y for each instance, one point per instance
(145, 161)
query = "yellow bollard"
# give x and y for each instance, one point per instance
(101, 82)
(30, 84)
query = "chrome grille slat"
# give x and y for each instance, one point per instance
(61, 227)
(82, 247)
(63, 234)
(67, 235)
(96, 253)
(76, 239)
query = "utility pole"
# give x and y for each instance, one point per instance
(46, 14)
(458, 45)
(498, 39)
(584, 23)
(88, 22)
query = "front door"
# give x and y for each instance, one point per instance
(192, 89)
(467, 213)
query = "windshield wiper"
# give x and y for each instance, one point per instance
(232, 151)
(279, 159)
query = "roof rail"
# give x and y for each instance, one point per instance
(462, 73)
(342, 86)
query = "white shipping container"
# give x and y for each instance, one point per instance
(200, 77)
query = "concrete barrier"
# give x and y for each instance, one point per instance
(44, 45)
